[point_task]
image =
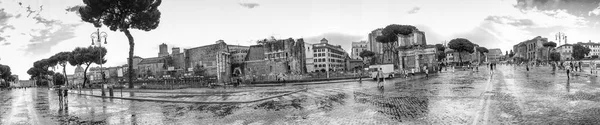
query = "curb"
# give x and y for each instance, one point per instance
(196, 102)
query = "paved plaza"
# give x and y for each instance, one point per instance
(510, 95)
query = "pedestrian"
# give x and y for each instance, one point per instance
(426, 71)
(580, 66)
(379, 76)
(60, 97)
(412, 72)
(527, 67)
(65, 93)
(568, 72)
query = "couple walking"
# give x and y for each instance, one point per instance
(62, 92)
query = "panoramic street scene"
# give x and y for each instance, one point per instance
(299, 62)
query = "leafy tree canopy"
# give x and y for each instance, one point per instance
(550, 44)
(482, 50)
(5, 72)
(580, 51)
(390, 33)
(440, 47)
(555, 56)
(366, 53)
(122, 15)
(461, 45)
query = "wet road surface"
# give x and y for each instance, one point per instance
(510, 96)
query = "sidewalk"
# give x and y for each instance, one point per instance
(201, 98)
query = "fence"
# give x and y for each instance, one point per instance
(174, 83)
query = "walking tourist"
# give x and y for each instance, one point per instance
(379, 77)
(65, 91)
(60, 97)
(426, 71)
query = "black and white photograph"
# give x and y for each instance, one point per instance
(299, 62)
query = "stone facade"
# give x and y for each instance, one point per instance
(163, 50)
(215, 58)
(153, 67)
(417, 57)
(76, 78)
(530, 49)
(357, 48)
(354, 64)
(273, 59)
(494, 55)
(375, 46)
(566, 51)
(310, 62)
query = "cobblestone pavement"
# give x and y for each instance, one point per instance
(540, 96)
(510, 96)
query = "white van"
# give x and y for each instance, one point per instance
(386, 69)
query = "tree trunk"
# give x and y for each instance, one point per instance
(85, 74)
(65, 73)
(130, 59)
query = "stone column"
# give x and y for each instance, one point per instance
(417, 69)
(401, 60)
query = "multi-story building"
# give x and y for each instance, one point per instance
(76, 78)
(494, 55)
(566, 51)
(532, 50)
(274, 57)
(214, 58)
(328, 57)
(357, 48)
(308, 51)
(374, 46)
(593, 46)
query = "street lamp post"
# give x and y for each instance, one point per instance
(561, 36)
(99, 35)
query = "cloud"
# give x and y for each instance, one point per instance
(594, 12)
(74, 8)
(4, 17)
(576, 7)
(510, 20)
(52, 34)
(249, 5)
(414, 10)
(335, 38)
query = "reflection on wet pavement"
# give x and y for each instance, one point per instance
(516, 97)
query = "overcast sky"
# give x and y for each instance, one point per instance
(31, 30)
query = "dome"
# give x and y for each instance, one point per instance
(78, 69)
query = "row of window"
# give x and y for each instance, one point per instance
(328, 60)
(320, 50)
(330, 65)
